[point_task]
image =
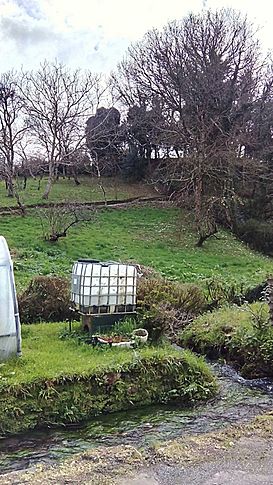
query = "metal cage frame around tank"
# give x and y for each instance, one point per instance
(89, 309)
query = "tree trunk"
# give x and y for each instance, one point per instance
(39, 183)
(20, 205)
(48, 187)
(10, 187)
(149, 154)
(198, 193)
(49, 182)
(204, 237)
(75, 177)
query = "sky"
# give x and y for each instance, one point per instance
(94, 34)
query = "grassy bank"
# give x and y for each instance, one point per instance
(58, 382)
(242, 335)
(157, 237)
(65, 190)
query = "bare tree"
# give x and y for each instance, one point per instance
(56, 221)
(58, 102)
(12, 126)
(206, 72)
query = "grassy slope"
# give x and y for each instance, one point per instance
(66, 190)
(217, 329)
(150, 236)
(241, 335)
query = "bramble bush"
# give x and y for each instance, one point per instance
(187, 297)
(47, 299)
(166, 307)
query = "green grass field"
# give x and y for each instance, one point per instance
(156, 237)
(66, 190)
(46, 356)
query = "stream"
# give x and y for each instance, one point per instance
(238, 401)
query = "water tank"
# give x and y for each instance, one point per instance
(10, 332)
(99, 287)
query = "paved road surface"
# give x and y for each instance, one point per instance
(250, 462)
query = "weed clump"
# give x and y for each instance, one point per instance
(47, 298)
(164, 320)
(165, 307)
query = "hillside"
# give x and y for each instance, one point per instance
(89, 190)
(159, 237)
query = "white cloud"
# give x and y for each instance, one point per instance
(94, 33)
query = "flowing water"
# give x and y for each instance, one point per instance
(238, 401)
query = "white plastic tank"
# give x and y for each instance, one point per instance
(99, 287)
(10, 330)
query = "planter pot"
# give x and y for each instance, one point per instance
(140, 335)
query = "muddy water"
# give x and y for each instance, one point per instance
(238, 401)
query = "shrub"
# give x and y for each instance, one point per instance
(186, 297)
(258, 234)
(165, 307)
(145, 271)
(162, 319)
(242, 335)
(219, 290)
(47, 298)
